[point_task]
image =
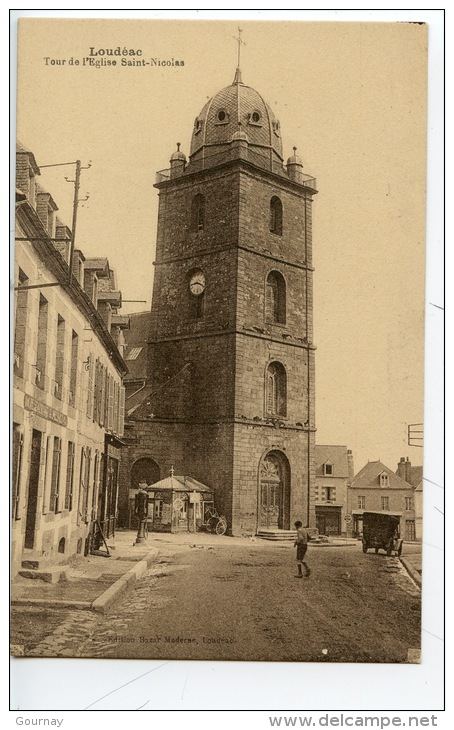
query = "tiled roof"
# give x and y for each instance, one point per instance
(369, 476)
(180, 484)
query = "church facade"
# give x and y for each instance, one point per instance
(228, 393)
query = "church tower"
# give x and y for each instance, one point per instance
(231, 354)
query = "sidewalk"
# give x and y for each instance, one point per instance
(94, 582)
(413, 564)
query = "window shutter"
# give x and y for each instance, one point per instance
(121, 415)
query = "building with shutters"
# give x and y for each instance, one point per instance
(227, 395)
(68, 397)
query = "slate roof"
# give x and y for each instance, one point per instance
(336, 455)
(416, 476)
(369, 477)
(137, 337)
(237, 103)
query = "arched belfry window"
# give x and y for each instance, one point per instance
(198, 213)
(276, 215)
(276, 390)
(275, 298)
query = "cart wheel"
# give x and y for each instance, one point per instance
(221, 527)
(364, 547)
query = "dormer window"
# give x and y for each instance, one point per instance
(384, 480)
(222, 117)
(327, 469)
(255, 118)
(277, 128)
(198, 124)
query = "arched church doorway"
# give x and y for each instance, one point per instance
(144, 469)
(274, 492)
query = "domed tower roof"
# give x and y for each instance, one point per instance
(237, 108)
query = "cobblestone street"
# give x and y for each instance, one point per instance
(242, 602)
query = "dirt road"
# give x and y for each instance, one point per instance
(244, 603)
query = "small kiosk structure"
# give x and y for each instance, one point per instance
(178, 504)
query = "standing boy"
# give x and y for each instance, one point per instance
(301, 548)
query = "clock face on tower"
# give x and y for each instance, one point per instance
(197, 283)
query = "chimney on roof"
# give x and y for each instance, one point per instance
(401, 471)
(105, 310)
(63, 245)
(78, 266)
(408, 470)
(351, 471)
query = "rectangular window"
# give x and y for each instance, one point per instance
(110, 402)
(46, 454)
(70, 476)
(385, 503)
(384, 480)
(92, 402)
(410, 530)
(328, 470)
(20, 325)
(16, 468)
(329, 494)
(41, 354)
(158, 508)
(121, 412)
(116, 396)
(73, 369)
(361, 502)
(408, 503)
(55, 479)
(84, 483)
(60, 357)
(94, 497)
(87, 483)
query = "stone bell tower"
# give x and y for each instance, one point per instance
(231, 354)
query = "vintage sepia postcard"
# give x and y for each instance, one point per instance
(219, 269)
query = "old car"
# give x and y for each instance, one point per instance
(381, 530)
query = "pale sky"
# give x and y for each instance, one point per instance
(350, 96)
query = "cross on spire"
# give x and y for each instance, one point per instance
(240, 43)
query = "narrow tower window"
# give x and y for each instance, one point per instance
(276, 215)
(276, 390)
(198, 213)
(275, 304)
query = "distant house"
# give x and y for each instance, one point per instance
(413, 475)
(333, 475)
(376, 488)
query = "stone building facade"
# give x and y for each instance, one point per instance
(68, 398)
(229, 396)
(376, 488)
(334, 474)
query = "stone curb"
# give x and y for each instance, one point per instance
(51, 603)
(415, 574)
(105, 600)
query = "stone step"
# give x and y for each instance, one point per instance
(47, 575)
(276, 534)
